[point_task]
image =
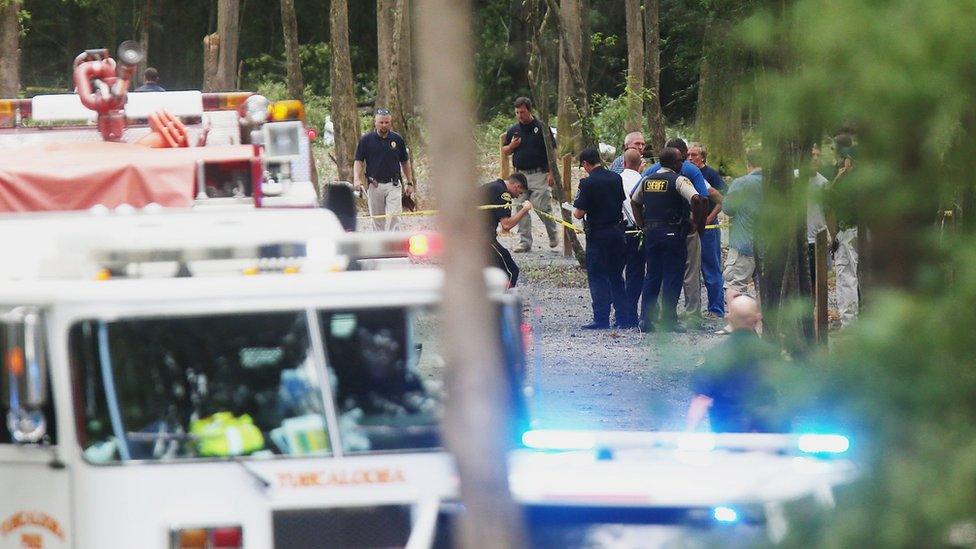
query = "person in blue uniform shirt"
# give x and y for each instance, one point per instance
(664, 203)
(501, 193)
(598, 205)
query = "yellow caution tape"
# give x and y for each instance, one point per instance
(430, 212)
(569, 226)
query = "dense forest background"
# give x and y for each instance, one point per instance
(54, 31)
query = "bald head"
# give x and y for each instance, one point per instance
(743, 313)
(632, 159)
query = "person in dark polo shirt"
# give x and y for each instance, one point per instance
(525, 141)
(598, 205)
(501, 193)
(383, 154)
(711, 241)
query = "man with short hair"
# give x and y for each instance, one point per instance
(633, 141)
(525, 142)
(151, 81)
(732, 387)
(634, 255)
(711, 245)
(381, 157)
(664, 201)
(843, 226)
(598, 204)
(501, 193)
(742, 204)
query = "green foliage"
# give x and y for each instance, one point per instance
(902, 75)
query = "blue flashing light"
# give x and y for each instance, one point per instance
(823, 444)
(544, 439)
(725, 514)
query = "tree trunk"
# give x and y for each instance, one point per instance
(211, 58)
(538, 76)
(145, 20)
(228, 19)
(635, 65)
(9, 49)
(289, 26)
(580, 96)
(567, 123)
(719, 116)
(385, 48)
(397, 82)
(345, 119)
(405, 58)
(656, 135)
(476, 423)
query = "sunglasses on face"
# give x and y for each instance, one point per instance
(383, 112)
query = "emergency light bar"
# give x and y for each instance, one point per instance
(560, 440)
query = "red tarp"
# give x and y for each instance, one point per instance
(77, 176)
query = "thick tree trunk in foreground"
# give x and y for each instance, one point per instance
(228, 28)
(345, 119)
(289, 26)
(719, 116)
(635, 64)
(655, 136)
(567, 123)
(476, 423)
(9, 49)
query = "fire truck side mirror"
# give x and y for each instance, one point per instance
(24, 373)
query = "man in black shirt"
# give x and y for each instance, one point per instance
(598, 204)
(501, 193)
(383, 154)
(525, 141)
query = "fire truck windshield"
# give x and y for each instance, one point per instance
(218, 386)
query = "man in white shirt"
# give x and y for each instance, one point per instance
(634, 256)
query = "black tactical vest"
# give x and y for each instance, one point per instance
(662, 201)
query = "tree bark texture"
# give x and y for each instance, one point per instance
(293, 63)
(345, 118)
(385, 47)
(635, 64)
(211, 58)
(656, 135)
(398, 82)
(476, 423)
(719, 116)
(579, 99)
(538, 76)
(9, 49)
(145, 21)
(228, 29)
(567, 119)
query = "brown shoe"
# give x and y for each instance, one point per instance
(522, 248)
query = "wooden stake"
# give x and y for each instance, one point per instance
(506, 168)
(567, 182)
(820, 290)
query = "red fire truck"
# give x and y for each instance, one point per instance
(102, 146)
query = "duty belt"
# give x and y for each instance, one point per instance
(395, 183)
(534, 170)
(655, 224)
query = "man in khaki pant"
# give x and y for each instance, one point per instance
(525, 141)
(383, 154)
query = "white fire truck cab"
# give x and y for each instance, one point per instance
(219, 379)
